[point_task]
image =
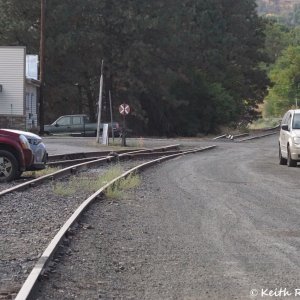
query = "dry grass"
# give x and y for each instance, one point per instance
(91, 185)
(40, 173)
(64, 190)
(117, 190)
(265, 123)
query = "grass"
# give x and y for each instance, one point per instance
(40, 173)
(64, 190)
(91, 185)
(116, 191)
(265, 123)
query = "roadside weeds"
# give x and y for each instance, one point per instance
(92, 184)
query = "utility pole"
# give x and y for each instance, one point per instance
(42, 66)
(100, 105)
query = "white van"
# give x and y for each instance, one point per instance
(289, 139)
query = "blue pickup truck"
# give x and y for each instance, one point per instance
(78, 124)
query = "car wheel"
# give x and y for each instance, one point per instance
(282, 160)
(290, 161)
(8, 166)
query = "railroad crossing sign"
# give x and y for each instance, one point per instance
(124, 109)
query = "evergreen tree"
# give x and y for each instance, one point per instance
(184, 66)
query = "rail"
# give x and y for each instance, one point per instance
(28, 287)
(82, 166)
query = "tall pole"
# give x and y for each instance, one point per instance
(297, 90)
(42, 66)
(124, 128)
(100, 105)
(111, 118)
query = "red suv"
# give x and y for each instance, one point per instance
(20, 151)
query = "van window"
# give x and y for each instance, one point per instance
(296, 121)
(284, 119)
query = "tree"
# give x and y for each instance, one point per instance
(19, 23)
(278, 36)
(286, 78)
(156, 56)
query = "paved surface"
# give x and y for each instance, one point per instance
(61, 145)
(213, 225)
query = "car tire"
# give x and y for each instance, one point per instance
(8, 166)
(282, 160)
(290, 161)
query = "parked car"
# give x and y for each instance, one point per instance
(78, 124)
(289, 138)
(20, 151)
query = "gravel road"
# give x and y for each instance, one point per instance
(215, 225)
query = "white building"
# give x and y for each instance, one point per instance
(18, 88)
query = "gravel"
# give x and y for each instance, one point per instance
(206, 226)
(7, 185)
(114, 254)
(28, 222)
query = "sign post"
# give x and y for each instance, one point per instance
(105, 134)
(124, 110)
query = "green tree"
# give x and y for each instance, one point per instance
(19, 23)
(278, 37)
(286, 78)
(155, 54)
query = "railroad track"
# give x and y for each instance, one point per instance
(256, 137)
(64, 160)
(31, 218)
(82, 155)
(70, 167)
(32, 280)
(246, 136)
(124, 155)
